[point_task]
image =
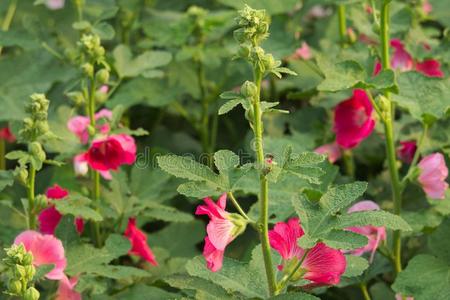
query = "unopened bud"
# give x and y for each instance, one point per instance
(31, 294)
(77, 98)
(19, 271)
(27, 259)
(102, 76)
(249, 89)
(91, 130)
(35, 148)
(88, 69)
(21, 175)
(244, 51)
(41, 201)
(30, 271)
(269, 62)
(15, 287)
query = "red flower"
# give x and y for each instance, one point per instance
(49, 218)
(110, 153)
(430, 67)
(322, 264)
(353, 120)
(138, 240)
(406, 151)
(7, 135)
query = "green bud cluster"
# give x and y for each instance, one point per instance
(90, 45)
(20, 272)
(254, 26)
(36, 125)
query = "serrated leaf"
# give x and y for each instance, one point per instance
(356, 265)
(339, 76)
(204, 289)
(295, 296)
(344, 240)
(6, 179)
(78, 206)
(338, 198)
(225, 160)
(230, 105)
(166, 213)
(375, 218)
(385, 80)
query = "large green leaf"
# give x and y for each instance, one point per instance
(6, 179)
(78, 206)
(271, 6)
(204, 289)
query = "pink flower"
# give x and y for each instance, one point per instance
(433, 173)
(46, 249)
(79, 125)
(111, 152)
(374, 234)
(222, 229)
(353, 120)
(81, 167)
(49, 218)
(54, 4)
(66, 289)
(322, 265)
(332, 150)
(400, 297)
(304, 52)
(138, 240)
(406, 151)
(104, 89)
(7, 135)
(427, 7)
(430, 67)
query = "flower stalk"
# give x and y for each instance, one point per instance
(342, 24)
(31, 197)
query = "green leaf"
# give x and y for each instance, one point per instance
(438, 242)
(42, 270)
(339, 76)
(385, 80)
(166, 213)
(295, 296)
(423, 96)
(338, 198)
(204, 289)
(225, 160)
(138, 291)
(127, 66)
(374, 218)
(6, 179)
(356, 265)
(78, 206)
(116, 272)
(344, 240)
(230, 105)
(426, 277)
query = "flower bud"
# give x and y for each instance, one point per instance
(21, 175)
(30, 271)
(102, 76)
(41, 201)
(77, 98)
(100, 97)
(35, 148)
(91, 130)
(19, 272)
(27, 259)
(15, 287)
(269, 62)
(249, 89)
(244, 51)
(88, 69)
(31, 294)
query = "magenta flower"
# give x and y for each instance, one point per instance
(49, 218)
(79, 125)
(374, 234)
(222, 229)
(81, 167)
(46, 250)
(66, 289)
(406, 151)
(353, 120)
(138, 240)
(433, 173)
(7, 135)
(111, 152)
(304, 52)
(332, 151)
(54, 4)
(430, 67)
(322, 264)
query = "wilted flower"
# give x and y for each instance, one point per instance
(332, 150)
(46, 249)
(353, 120)
(49, 218)
(374, 234)
(222, 229)
(322, 264)
(138, 240)
(406, 151)
(433, 173)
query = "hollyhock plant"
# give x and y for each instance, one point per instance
(46, 249)
(7, 135)
(406, 151)
(49, 217)
(353, 120)
(222, 229)
(66, 289)
(111, 152)
(433, 173)
(332, 150)
(374, 234)
(322, 264)
(138, 240)
(79, 125)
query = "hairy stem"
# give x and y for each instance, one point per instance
(342, 24)
(349, 162)
(389, 133)
(264, 186)
(285, 280)
(31, 196)
(204, 121)
(238, 207)
(365, 291)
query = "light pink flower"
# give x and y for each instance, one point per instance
(433, 173)
(104, 89)
(7, 135)
(111, 152)
(427, 7)
(374, 234)
(138, 240)
(66, 289)
(304, 52)
(49, 218)
(79, 125)
(46, 249)
(406, 151)
(353, 120)
(54, 4)
(332, 150)
(322, 265)
(221, 231)
(400, 297)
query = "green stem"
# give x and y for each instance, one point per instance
(239, 208)
(342, 24)
(79, 6)
(365, 292)
(389, 132)
(416, 155)
(264, 186)
(31, 183)
(349, 163)
(285, 280)
(9, 17)
(2, 154)
(204, 121)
